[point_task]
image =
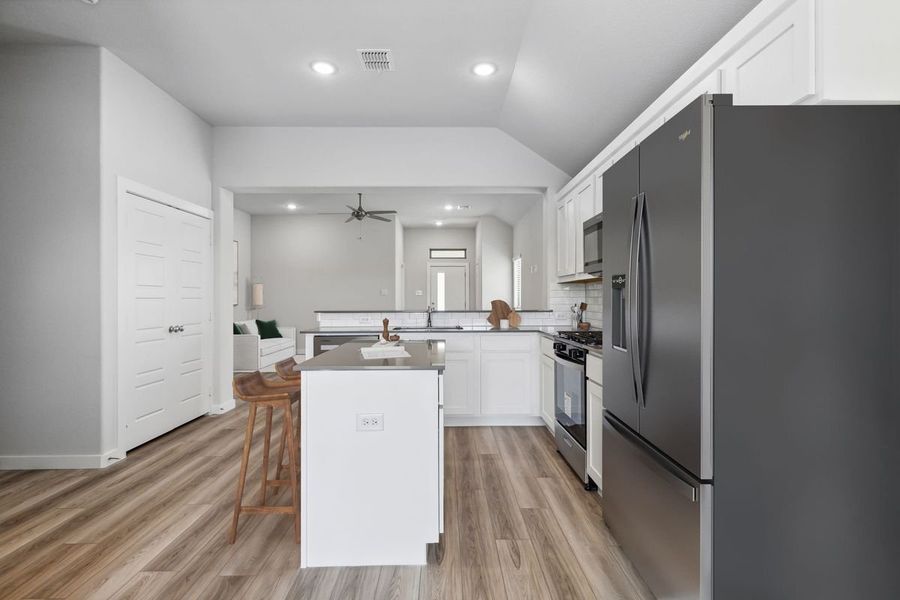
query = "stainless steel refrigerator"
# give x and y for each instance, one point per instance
(751, 357)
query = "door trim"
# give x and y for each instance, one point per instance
(125, 188)
(450, 262)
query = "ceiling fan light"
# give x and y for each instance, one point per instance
(291, 206)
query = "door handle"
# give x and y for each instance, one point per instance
(172, 329)
(633, 301)
(180, 328)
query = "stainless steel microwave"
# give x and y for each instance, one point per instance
(593, 245)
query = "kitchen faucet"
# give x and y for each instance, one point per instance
(428, 312)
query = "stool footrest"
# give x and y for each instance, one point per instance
(278, 482)
(267, 509)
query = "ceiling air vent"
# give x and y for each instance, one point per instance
(376, 60)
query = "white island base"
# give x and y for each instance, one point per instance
(370, 496)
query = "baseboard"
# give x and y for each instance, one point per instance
(492, 421)
(57, 461)
(221, 409)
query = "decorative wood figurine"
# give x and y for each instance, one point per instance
(500, 310)
(385, 334)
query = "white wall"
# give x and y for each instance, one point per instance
(528, 242)
(73, 119)
(254, 157)
(149, 137)
(417, 242)
(310, 263)
(49, 251)
(495, 245)
(399, 274)
(243, 236)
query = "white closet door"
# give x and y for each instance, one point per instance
(164, 279)
(190, 346)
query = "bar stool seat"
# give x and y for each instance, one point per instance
(258, 391)
(285, 369)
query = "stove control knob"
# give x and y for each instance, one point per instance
(559, 346)
(576, 353)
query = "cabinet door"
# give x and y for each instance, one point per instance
(507, 386)
(595, 432)
(584, 207)
(777, 65)
(561, 237)
(548, 372)
(571, 218)
(460, 384)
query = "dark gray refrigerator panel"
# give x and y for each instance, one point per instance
(806, 313)
(620, 188)
(668, 299)
(652, 508)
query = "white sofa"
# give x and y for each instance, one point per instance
(251, 353)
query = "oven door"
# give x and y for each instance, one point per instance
(570, 398)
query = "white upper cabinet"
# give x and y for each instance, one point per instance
(778, 64)
(571, 213)
(584, 203)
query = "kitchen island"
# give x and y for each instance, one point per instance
(371, 474)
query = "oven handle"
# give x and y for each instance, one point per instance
(567, 362)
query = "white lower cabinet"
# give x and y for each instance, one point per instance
(505, 383)
(548, 372)
(461, 384)
(595, 432)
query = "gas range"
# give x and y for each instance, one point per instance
(591, 339)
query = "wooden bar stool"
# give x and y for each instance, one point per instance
(285, 369)
(291, 378)
(254, 389)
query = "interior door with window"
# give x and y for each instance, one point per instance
(448, 286)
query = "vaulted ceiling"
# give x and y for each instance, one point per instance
(571, 73)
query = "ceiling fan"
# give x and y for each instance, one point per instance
(359, 213)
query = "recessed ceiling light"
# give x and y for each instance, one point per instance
(90, 1)
(323, 68)
(291, 206)
(438, 223)
(484, 69)
(449, 207)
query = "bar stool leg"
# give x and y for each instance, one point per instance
(292, 467)
(265, 464)
(281, 446)
(242, 477)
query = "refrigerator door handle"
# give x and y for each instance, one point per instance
(634, 252)
(656, 462)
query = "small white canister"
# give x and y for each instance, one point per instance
(504, 323)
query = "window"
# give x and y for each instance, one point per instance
(447, 253)
(517, 283)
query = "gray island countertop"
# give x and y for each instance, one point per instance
(423, 355)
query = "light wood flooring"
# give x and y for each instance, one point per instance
(518, 525)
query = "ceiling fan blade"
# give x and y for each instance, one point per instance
(332, 213)
(350, 207)
(381, 212)
(377, 218)
(350, 218)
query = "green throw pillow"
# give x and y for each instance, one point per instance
(237, 329)
(267, 329)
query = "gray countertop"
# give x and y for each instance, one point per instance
(424, 355)
(362, 330)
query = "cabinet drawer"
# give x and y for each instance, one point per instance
(507, 342)
(594, 369)
(460, 342)
(546, 346)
